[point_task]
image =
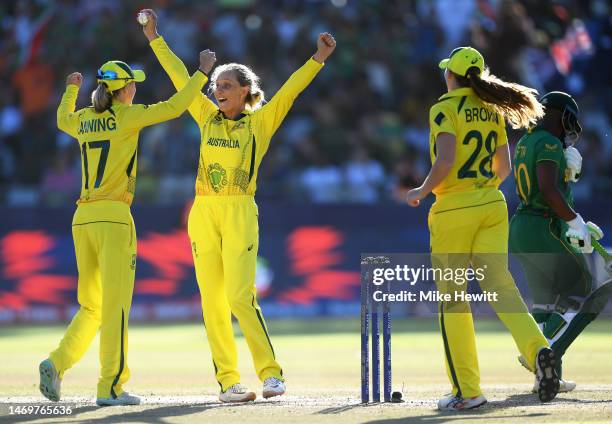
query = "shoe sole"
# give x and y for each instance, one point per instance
(250, 397)
(549, 384)
(46, 382)
(561, 390)
(268, 395)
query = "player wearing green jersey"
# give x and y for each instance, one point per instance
(546, 234)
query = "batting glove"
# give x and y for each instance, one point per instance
(595, 231)
(579, 235)
(574, 163)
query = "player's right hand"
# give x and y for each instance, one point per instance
(414, 197)
(326, 44)
(579, 235)
(75, 78)
(574, 163)
(207, 60)
(150, 29)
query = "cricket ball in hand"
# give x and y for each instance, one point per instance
(142, 18)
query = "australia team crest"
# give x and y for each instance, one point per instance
(217, 177)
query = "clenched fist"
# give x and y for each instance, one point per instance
(207, 60)
(75, 78)
(326, 43)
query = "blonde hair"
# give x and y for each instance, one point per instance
(516, 102)
(246, 78)
(101, 98)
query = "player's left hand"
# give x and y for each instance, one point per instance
(326, 44)
(414, 197)
(574, 163)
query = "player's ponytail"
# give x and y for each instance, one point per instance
(516, 102)
(246, 78)
(101, 98)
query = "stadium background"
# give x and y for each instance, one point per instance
(329, 188)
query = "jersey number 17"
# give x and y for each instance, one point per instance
(104, 146)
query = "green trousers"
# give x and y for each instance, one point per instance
(558, 278)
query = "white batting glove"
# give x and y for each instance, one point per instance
(574, 163)
(579, 235)
(595, 231)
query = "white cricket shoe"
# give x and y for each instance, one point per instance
(546, 375)
(237, 393)
(454, 403)
(50, 383)
(565, 386)
(273, 387)
(124, 399)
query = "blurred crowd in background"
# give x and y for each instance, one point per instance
(359, 133)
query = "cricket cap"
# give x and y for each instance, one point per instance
(116, 74)
(461, 59)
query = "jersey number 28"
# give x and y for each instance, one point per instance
(486, 164)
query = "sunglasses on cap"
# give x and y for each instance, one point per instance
(109, 75)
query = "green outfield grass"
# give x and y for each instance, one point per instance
(171, 366)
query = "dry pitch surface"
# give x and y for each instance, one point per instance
(172, 369)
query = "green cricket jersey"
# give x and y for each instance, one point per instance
(536, 146)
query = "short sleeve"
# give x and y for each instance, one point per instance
(549, 149)
(441, 120)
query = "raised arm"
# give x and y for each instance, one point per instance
(175, 68)
(273, 112)
(67, 120)
(139, 116)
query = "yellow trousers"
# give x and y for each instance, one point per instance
(473, 230)
(105, 246)
(224, 237)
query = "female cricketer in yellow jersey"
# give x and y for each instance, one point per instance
(223, 224)
(468, 222)
(102, 227)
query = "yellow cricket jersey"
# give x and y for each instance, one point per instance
(478, 130)
(231, 151)
(109, 140)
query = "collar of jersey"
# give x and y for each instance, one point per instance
(540, 127)
(463, 91)
(242, 115)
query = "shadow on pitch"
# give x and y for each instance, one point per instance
(340, 409)
(29, 418)
(530, 399)
(483, 413)
(439, 418)
(155, 414)
(436, 417)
